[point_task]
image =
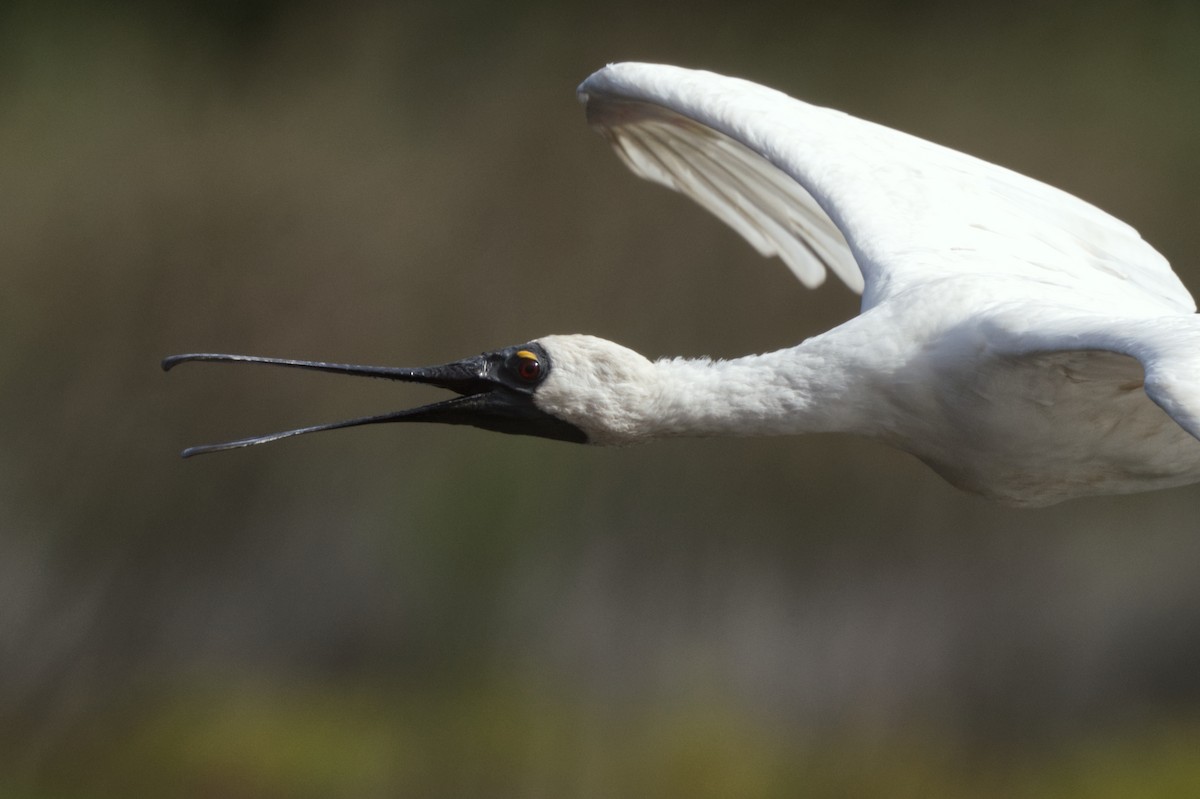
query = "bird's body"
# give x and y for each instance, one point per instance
(1022, 429)
(1026, 345)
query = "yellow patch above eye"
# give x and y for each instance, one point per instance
(526, 354)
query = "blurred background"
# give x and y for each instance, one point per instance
(411, 611)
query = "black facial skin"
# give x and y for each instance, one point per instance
(495, 393)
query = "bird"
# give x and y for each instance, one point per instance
(1026, 345)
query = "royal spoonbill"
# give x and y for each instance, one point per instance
(1023, 343)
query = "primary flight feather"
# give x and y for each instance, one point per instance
(1023, 343)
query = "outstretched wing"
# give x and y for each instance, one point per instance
(882, 210)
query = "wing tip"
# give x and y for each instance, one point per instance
(626, 78)
(621, 95)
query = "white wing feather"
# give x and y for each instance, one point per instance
(769, 209)
(881, 209)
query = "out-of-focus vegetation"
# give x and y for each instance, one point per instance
(444, 612)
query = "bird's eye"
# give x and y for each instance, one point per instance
(528, 367)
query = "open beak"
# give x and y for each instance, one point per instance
(487, 398)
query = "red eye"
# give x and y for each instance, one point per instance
(529, 369)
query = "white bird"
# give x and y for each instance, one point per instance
(1023, 343)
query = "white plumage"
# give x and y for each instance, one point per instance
(1025, 344)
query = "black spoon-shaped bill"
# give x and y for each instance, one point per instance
(496, 393)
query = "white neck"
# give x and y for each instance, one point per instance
(805, 389)
(616, 396)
